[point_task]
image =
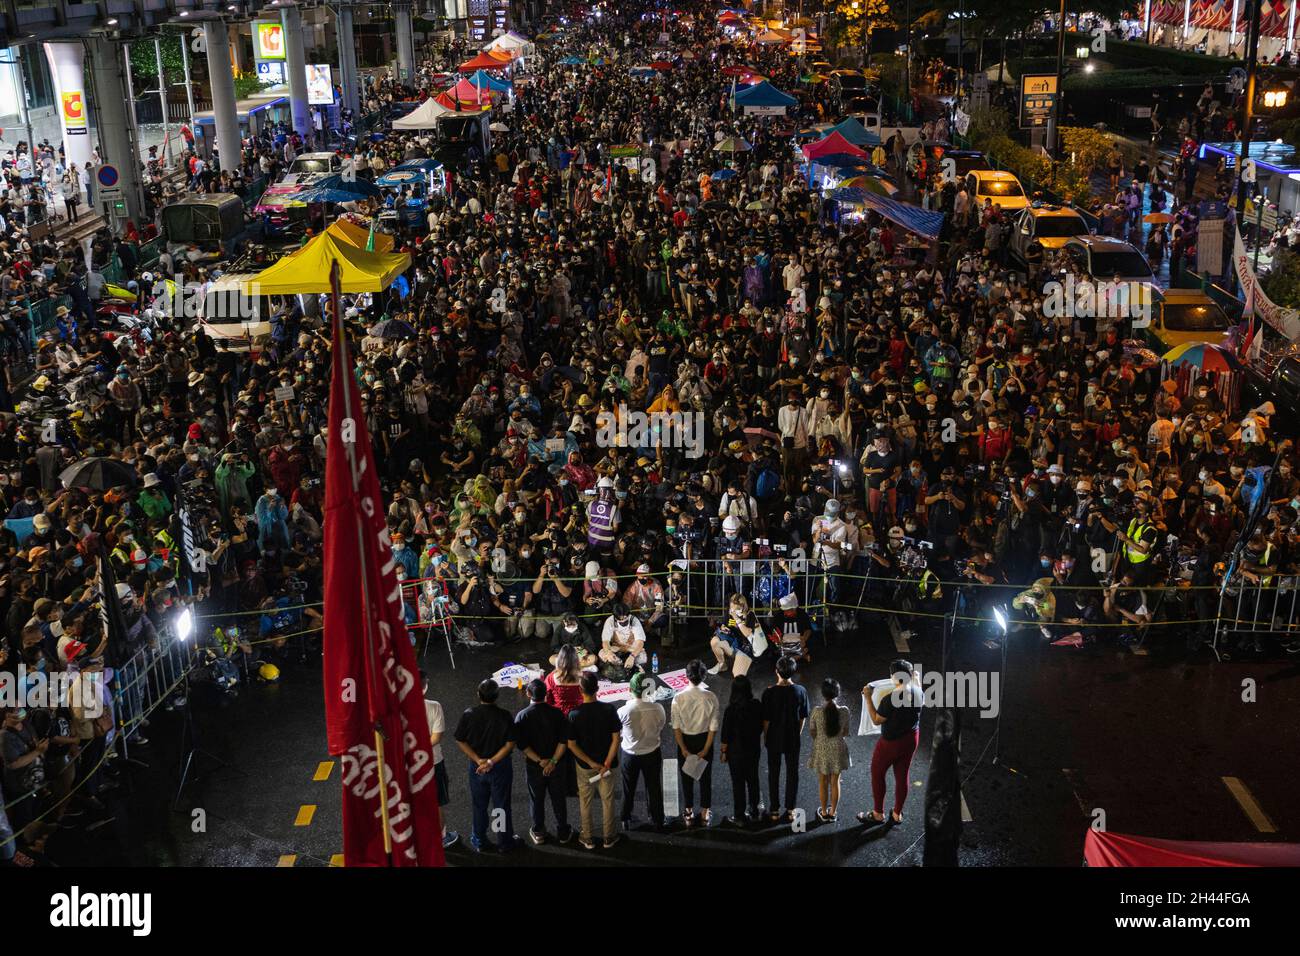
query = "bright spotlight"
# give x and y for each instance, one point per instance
(185, 624)
(1000, 617)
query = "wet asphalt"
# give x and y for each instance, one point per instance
(1141, 744)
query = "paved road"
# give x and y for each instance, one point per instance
(1146, 740)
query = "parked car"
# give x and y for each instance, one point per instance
(1048, 226)
(1187, 315)
(998, 186)
(1107, 259)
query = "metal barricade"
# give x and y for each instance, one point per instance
(1263, 608)
(149, 678)
(702, 589)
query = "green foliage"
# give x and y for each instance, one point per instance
(1088, 147)
(144, 63)
(1125, 80)
(248, 84)
(990, 131)
(1128, 55)
(1282, 284)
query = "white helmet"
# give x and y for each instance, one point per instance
(731, 524)
(606, 482)
(125, 593)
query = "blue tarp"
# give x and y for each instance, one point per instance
(923, 222)
(764, 94)
(855, 133)
(486, 81)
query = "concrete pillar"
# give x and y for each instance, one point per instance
(237, 58)
(348, 62)
(225, 116)
(405, 42)
(67, 69)
(295, 66)
(115, 122)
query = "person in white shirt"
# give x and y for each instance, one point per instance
(736, 504)
(696, 719)
(437, 727)
(792, 275)
(643, 725)
(623, 640)
(828, 532)
(792, 422)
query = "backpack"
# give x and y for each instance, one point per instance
(767, 484)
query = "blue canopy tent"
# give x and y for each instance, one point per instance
(763, 98)
(573, 61)
(914, 219)
(855, 133)
(486, 81)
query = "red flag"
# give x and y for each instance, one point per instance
(375, 718)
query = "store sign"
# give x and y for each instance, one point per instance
(320, 84)
(268, 71)
(1038, 92)
(268, 39)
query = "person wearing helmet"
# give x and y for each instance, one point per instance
(793, 627)
(622, 641)
(603, 517)
(644, 597)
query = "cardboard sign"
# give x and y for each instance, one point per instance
(284, 393)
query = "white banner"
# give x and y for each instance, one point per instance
(1283, 320)
(764, 110)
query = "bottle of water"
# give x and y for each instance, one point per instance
(654, 663)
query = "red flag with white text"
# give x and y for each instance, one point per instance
(370, 673)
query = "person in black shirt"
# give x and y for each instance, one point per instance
(785, 711)
(742, 735)
(542, 735)
(899, 720)
(485, 734)
(594, 735)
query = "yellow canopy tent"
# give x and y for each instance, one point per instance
(308, 269)
(358, 235)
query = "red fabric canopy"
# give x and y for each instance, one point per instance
(484, 61)
(1119, 849)
(834, 143)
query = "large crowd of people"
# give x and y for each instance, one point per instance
(850, 425)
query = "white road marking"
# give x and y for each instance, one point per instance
(965, 810)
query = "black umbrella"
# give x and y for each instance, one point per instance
(415, 152)
(392, 329)
(98, 474)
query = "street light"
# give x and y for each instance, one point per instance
(1275, 99)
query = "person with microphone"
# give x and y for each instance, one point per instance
(899, 720)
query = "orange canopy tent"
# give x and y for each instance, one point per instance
(484, 61)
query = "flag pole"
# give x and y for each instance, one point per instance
(341, 367)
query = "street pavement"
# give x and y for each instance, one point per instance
(1145, 744)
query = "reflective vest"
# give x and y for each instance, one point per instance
(1136, 528)
(600, 523)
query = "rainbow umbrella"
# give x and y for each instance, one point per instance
(1203, 355)
(871, 184)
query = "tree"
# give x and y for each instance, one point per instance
(248, 84)
(144, 63)
(853, 22)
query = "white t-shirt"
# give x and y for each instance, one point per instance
(437, 725)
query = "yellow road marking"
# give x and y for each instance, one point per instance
(305, 813)
(1249, 805)
(287, 860)
(323, 770)
(336, 859)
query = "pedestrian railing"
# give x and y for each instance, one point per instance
(1251, 610)
(152, 676)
